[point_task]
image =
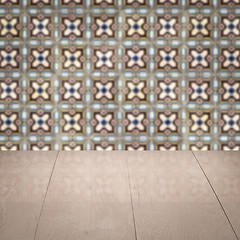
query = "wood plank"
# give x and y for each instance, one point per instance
(88, 198)
(173, 200)
(223, 171)
(24, 177)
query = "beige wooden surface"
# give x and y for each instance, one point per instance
(173, 200)
(119, 195)
(24, 177)
(88, 198)
(223, 172)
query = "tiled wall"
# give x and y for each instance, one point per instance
(120, 74)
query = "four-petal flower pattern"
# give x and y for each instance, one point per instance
(136, 27)
(9, 58)
(135, 58)
(9, 27)
(72, 27)
(72, 58)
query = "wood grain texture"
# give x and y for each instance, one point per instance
(88, 198)
(173, 200)
(24, 177)
(223, 171)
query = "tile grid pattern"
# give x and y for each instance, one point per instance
(119, 75)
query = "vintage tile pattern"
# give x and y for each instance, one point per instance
(119, 74)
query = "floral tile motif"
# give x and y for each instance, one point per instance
(119, 75)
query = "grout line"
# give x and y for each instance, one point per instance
(45, 196)
(215, 195)
(130, 190)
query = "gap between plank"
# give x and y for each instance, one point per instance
(215, 195)
(45, 196)
(130, 190)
